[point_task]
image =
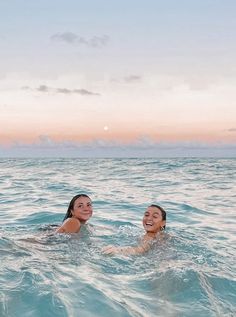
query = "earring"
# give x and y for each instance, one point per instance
(162, 228)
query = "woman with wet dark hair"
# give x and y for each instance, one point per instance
(154, 222)
(163, 214)
(79, 211)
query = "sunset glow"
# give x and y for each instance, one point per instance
(163, 72)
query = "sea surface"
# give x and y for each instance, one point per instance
(192, 272)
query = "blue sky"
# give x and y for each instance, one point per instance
(120, 74)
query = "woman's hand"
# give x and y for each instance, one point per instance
(111, 249)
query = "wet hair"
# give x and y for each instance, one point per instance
(71, 205)
(163, 213)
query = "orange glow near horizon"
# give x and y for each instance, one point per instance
(166, 133)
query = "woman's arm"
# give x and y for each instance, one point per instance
(142, 248)
(71, 225)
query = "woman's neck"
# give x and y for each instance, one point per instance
(151, 235)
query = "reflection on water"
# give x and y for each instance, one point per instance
(189, 273)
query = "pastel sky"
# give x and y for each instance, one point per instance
(125, 74)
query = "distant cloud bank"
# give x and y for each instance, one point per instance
(132, 78)
(72, 38)
(143, 147)
(46, 89)
(127, 79)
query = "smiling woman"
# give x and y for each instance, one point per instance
(78, 212)
(154, 222)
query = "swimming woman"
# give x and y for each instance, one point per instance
(79, 211)
(154, 222)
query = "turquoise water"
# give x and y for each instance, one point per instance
(191, 273)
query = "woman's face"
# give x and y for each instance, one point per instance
(82, 209)
(152, 220)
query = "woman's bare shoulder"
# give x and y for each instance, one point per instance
(70, 225)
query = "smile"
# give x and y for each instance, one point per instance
(149, 224)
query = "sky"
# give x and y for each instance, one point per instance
(117, 78)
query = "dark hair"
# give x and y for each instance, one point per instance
(163, 212)
(71, 205)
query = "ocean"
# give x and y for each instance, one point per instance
(190, 273)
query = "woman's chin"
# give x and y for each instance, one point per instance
(84, 219)
(148, 228)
